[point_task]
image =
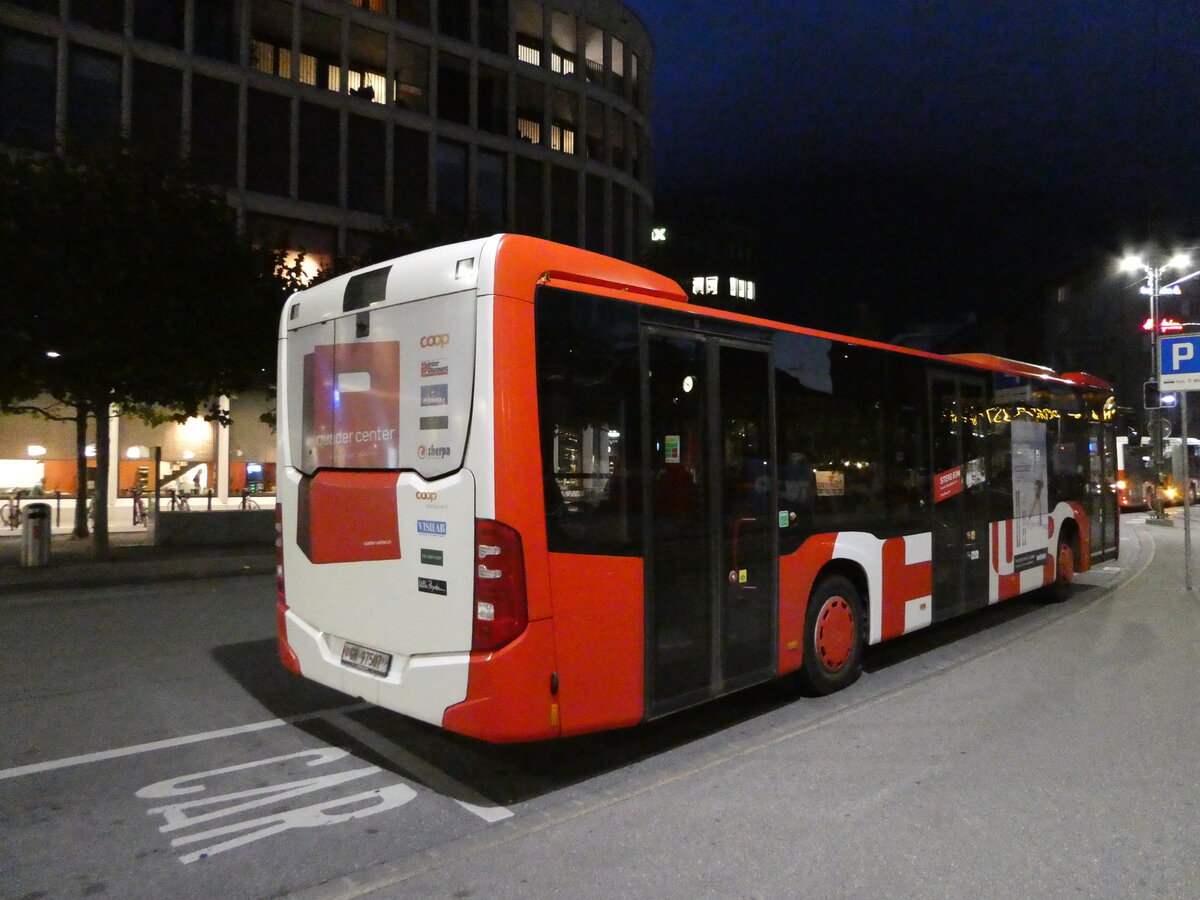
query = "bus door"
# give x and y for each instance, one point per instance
(960, 512)
(1102, 493)
(712, 550)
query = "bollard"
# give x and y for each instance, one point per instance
(35, 535)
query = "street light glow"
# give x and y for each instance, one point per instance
(1132, 263)
(1179, 261)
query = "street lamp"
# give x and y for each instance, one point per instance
(1154, 288)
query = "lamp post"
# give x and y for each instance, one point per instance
(1154, 288)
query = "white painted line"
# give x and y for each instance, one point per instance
(489, 814)
(427, 774)
(134, 750)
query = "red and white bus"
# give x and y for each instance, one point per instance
(527, 491)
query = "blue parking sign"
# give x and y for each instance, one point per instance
(1179, 362)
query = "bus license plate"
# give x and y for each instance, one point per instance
(367, 660)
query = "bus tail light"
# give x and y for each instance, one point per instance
(501, 613)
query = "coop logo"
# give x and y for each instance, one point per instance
(435, 340)
(427, 495)
(431, 526)
(434, 368)
(431, 451)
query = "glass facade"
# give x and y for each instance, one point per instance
(499, 114)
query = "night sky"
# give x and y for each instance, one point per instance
(929, 156)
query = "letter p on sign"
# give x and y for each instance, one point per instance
(1181, 353)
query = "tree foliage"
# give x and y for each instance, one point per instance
(139, 282)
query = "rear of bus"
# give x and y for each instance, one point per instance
(414, 571)
(394, 574)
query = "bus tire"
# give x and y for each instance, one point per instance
(1064, 570)
(834, 625)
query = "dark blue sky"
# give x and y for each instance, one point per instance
(985, 129)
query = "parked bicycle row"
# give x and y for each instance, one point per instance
(12, 509)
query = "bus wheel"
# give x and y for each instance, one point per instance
(1064, 570)
(833, 632)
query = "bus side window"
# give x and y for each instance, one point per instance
(588, 410)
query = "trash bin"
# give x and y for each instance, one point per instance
(35, 535)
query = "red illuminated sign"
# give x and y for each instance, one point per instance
(1165, 326)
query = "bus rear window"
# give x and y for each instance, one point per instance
(386, 387)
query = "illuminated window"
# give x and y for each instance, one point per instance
(529, 130)
(368, 85)
(527, 53)
(308, 69)
(563, 65)
(562, 138)
(264, 57)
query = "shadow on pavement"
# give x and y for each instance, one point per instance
(507, 774)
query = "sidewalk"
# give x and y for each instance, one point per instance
(134, 560)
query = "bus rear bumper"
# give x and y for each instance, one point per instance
(420, 686)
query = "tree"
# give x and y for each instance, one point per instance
(138, 281)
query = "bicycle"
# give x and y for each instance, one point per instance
(139, 509)
(179, 502)
(10, 512)
(247, 503)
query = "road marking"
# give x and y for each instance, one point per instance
(432, 777)
(212, 811)
(134, 750)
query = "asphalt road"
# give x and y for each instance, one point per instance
(152, 746)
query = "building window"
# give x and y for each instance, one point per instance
(531, 101)
(593, 49)
(319, 136)
(634, 84)
(618, 66)
(364, 172)
(493, 100)
(267, 146)
(368, 62)
(410, 174)
(214, 130)
(527, 52)
(595, 131)
(454, 89)
(562, 128)
(617, 135)
(529, 130)
(564, 44)
(527, 20)
(529, 203)
(454, 18)
(594, 214)
(493, 26)
(27, 90)
(412, 76)
(564, 205)
(160, 21)
(321, 39)
(562, 138)
(215, 30)
(102, 14)
(94, 96)
(372, 5)
(414, 11)
(491, 189)
(452, 179)
(157, 106)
